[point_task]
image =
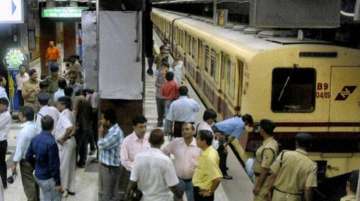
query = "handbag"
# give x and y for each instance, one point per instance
(135, 195)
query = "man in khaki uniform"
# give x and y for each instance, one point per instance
(31, 89)
(53, 79)
(351, 187)
(265, 156)
(294, 173)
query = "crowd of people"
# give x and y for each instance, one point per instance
(59, 117)
(60, 121)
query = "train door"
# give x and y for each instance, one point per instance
(345, 94)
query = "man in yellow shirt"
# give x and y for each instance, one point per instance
(207, 175)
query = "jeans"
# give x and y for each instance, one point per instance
(188, 188)
(48, 191)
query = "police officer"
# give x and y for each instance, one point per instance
(294, 173)
(265, 156)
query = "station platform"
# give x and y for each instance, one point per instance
(237, 189)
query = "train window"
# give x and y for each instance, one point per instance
(194, 48)
(293, 90)
(200, 53)
(207, 58)
(213, 64)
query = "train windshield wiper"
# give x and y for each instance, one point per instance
(286, 83)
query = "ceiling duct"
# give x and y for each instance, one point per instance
(295, 13)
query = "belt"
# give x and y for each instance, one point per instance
(109, 166)
(295, 194)
(186, 180)
(181, 122)
(258, 174)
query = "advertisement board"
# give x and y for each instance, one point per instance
(11, 11)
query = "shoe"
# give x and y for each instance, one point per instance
(150, 72)
(70, 193)
(227, 177)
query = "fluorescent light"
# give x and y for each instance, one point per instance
(62, 12)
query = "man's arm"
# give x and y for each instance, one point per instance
(5, 120)
(267, 158)
(308, 194)
(54, 163)
(124, 157)
(109, 141)
(20, 150)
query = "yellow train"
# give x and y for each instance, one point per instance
(303, 86)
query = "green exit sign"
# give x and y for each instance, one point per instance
(62, 12)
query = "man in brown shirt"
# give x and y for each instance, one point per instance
(294, 173)
(31, 89)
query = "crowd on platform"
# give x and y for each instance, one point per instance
(60, 121)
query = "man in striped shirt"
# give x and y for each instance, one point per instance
(110, 139)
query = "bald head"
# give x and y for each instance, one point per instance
(156, 138)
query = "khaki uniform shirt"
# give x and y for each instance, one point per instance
(32, 88)
(348, 198)
(265, 156)
(53, 84)
(295, 172)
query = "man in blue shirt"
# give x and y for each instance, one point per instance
(233, 127)
(110, 138)
(43, 153)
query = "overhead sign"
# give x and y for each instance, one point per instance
(11, 11)
(62, 12)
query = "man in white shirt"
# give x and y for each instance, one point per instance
(5, 122)
(64, 134)
(3, 93)
(21, 78)
(182, 110)
(154, 174)
(45, 109)
(60, 91)
(209, 119)
(186, 153)
(23, 140)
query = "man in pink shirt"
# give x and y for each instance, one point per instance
(186, 153)
(133, 144)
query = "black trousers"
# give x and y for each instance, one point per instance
(3, 168)
(82, 142)
(198, 197)
(93, 135)
(223, 157)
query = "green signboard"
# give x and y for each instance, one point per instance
(62, 12)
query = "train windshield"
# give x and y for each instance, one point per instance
(293, 89)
